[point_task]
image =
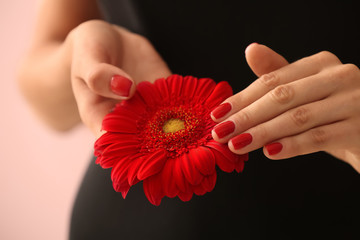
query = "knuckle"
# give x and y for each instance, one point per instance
(140, 43)
(319, 137)
(242, 118)
(351, 70)
(144, 49)
(326, 57)
(87, 25)
(300, 116)
(346, 72)
(93, 22)
(261, 133)
(92, 79)
(139, 39)
(307, 61)
(270, 80)
(235, 100)
(326, 54)
(282, 94)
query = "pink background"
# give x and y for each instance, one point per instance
(40, 169)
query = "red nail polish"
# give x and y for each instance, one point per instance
(241, 140)
(221, 110)
(120, 85)
(274, 148)
(224, 129)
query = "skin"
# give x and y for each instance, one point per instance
(307, 106)
(67, 72)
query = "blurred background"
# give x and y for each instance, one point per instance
(40, 170)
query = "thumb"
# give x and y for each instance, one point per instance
(262, 59)
(94, 61)
(97, 92)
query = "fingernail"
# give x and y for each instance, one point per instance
(224, 129)
(221, 110)
(120, 85)
(249, 46)
(274, 148)
(241, 140)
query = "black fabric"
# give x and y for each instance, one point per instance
(313, 196)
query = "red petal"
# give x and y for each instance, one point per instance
(133, 169)
(149, 93)
(163, 88)
(107, 162)
(125, 111)
(106, 139)
(223, 149)
(119, 123)
(199, 190)
(240, 163)
(225, 159)
(179, 177)
(168, 180)
(189, 87)
(175, 84)
(203, 159)
(120, 150)
(205, 87)
(119, 171)
(152, 164)
(185, 196)
(223, 163)
(110, 138)
(221, 92)
(119, 176)
(239, 167)
(153, 189)
(209, 182)
(122, 188)
(191, 173)
(135, 104)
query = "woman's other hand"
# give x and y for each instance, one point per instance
(107, 63)
(78, 67)
(293, 109)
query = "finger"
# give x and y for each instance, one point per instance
(333, 136)
(300, 69)
(293, 122)
(261, 59)
(97, 91)
(278, 101)
(92, 107)
(100, 73)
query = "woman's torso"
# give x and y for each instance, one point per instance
(308, 195)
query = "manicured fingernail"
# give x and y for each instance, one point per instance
(241, 140)
(221, 110)
(224, 129)
(274, 148)
(254, 43)
(120, 85)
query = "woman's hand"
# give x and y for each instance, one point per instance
(106, 64)
(293, 109)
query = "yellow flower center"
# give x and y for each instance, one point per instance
(173, 125)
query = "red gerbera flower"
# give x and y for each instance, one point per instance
(162, 136)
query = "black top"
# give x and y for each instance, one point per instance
(307, 196)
